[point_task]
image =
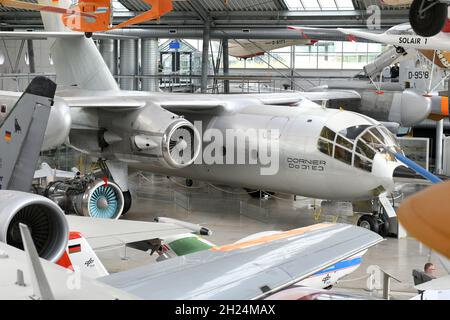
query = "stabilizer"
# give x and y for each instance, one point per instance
(22, 135)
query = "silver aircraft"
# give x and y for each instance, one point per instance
(302, 148)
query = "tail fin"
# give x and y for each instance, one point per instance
(22, 135)
(77, 61)
(80, 257)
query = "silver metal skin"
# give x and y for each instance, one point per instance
(300, 127)
(244, 272)
(13, 202)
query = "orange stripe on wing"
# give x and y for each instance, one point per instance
(271, 238)
(444, 106)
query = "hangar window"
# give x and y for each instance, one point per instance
(327, 133)
(325, 147)
(343, 155)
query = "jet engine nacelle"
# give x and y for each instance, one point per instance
(410, 108)
(48, 225)
(87, 197)
(152, 132)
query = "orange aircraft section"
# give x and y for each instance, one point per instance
(426, 216)
(94, 16)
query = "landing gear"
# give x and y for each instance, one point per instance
(189, 183)
(369, 222)
(400, 50)
(428, 17)
(378, 223)
(88, 34)
(126, 202)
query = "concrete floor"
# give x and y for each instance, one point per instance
(232, 214)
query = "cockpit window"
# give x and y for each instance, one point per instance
(362, 163)
(326, 147)
(358, 145)
(369, 138)
(365, 150)
(343, 155)
(353, 132)
(344, 142)
(327, 133)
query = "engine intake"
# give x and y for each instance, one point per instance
(46, 221)
(87, 197)
(181, 144)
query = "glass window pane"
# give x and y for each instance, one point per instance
(328, 133)
(330, 61)
(325, 147)
(365, 150)
(363, 163)
(343, 155)
(344, 142)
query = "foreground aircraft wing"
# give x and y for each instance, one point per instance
(63, 284)
(247, 270)
(103, 233)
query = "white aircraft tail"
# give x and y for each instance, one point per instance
(80, 257)
(77, 61)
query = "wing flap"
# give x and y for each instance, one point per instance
(246, 273)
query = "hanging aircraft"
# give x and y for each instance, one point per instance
(427, 17)
(388, 103)
(90, 16)
(245, 49)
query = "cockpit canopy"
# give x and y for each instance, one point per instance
(358, 145)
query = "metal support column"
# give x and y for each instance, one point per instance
(108, 49)
(128, 64)
(205, 56)
(32, 64)
(439, 143)
(149, 63)
(226, 65)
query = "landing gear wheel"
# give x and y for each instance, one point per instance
(126, 202)
(384, 225)
(400, 50)
(189, 183)
(369, 222)
(431, 21)
(88, 34)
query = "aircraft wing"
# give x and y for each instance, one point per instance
(64, 284)
(247, 270)
(104, 102)
(356, 35)
(103, 233)
(336, 95)
(42, 35)
(442, 283)
(327, 34)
